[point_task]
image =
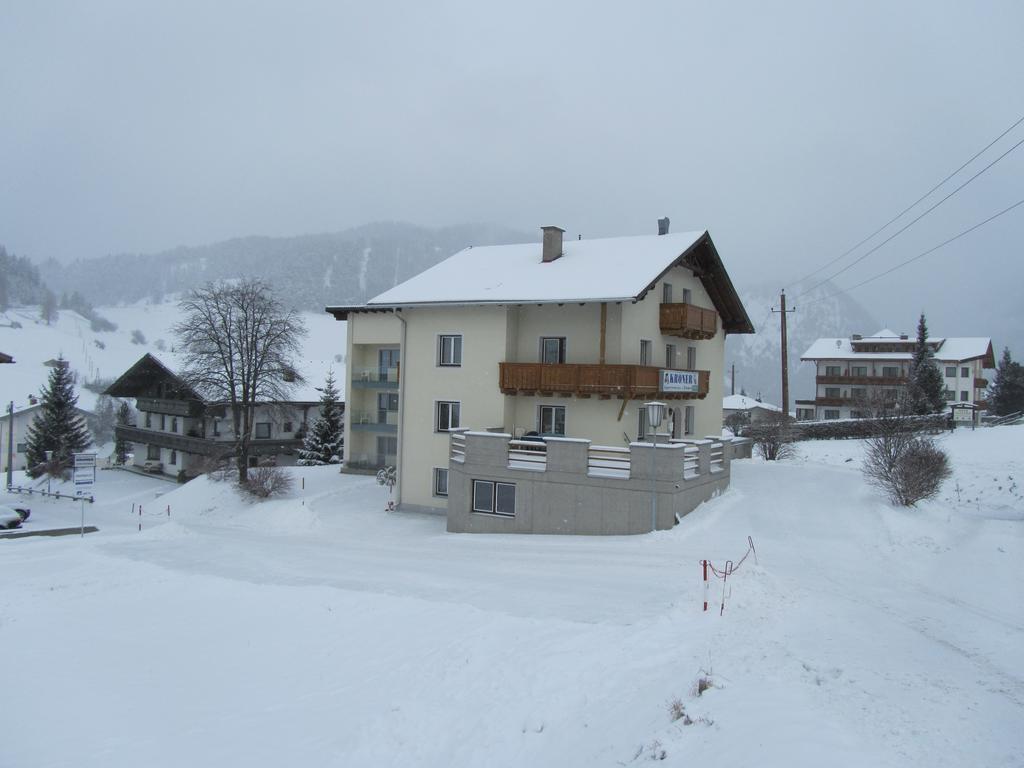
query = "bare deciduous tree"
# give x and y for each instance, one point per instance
(239, 346)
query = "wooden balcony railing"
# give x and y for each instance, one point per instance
(885, 381)
(688, 321)
(585, 380)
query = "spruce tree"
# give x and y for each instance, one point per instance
(57, 427)
(1007, 388)
(925, 389)
(324, 442)
(121, 446)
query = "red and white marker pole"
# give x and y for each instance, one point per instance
(704, 563)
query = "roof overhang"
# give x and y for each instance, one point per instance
(143, 374)
(701, 258)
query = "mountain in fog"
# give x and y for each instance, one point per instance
(307, 271)
(758, 356)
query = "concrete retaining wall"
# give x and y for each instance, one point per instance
(564, 497)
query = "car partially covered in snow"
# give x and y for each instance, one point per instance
(16, 503)
(9, 517)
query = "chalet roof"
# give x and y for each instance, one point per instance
(947, 349)
(744, 403)
(149, 369)
(606, 269)
(146, 371)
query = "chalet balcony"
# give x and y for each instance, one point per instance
(586, 380)
(688, 321)
(864, 381)
(202, 446)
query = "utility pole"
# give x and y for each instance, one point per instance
(10, 446)
(732, 380)
(785, 353)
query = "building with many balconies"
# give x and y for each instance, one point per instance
(180, 433)
(559, 339)
(854, 376)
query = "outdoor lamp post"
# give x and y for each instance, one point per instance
(655, 415)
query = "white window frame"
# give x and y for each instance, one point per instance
(691, 358)
(562, 349)
(440, 472)
(641, 424)
(666, 293)
(687, 296)
(256, 430)
(646, 352)
(448, 426)
(554, 419)
(689, 420)
(486, 502)
(827, 411)
(449, 350)
(670, 355)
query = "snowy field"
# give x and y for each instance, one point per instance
(320, 631)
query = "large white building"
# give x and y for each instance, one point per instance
(556, 338)
(853, 374)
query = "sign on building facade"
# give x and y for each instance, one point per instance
(680, 381)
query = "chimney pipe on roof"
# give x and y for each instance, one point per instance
(663, 226)
(552, 243)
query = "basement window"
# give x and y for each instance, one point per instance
(440, 482)
(491, 498)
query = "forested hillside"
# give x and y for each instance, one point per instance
(309, 271)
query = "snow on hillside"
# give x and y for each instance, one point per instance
(318, 630)
(102, 357)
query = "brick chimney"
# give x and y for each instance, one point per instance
(663, 226)
(552, 243)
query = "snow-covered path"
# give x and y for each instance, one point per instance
(320, 631)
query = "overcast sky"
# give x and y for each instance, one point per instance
(789, 130)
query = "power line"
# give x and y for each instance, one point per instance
(899, 215)
(918, 256)
(911, 223)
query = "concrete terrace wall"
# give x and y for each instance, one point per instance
(561, 496)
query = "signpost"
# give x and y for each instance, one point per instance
(680, 381)
(84, 478)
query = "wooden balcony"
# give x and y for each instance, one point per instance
(980, 383)
(688, 321)
(585, 380)
(864, 381)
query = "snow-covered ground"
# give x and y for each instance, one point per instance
(320, 631)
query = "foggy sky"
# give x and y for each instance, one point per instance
(789, 132)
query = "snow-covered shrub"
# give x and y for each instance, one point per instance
(267, 480)
(773, 438)
(905, 464)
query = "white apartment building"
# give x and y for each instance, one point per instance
(560, 338)
(851, 373)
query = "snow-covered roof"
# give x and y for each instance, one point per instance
(607, 269)
(604, 269)
(138, 376)
(948, 349)
(744, 403)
